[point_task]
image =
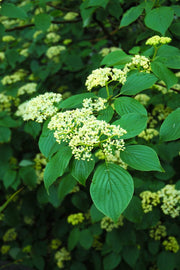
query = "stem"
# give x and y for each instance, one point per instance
(107, 90)
(155, 52)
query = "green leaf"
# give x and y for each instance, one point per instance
(170, 55)
(42, 21)
(111, 261)
(159, 19)
(2, 30)
(9, 178)
(170, 128)
(166, 261)
(32, 128)
(115, 9)
(116, 58)
(38, 261)
(81, 169)
(5, 134)
(47, 143)
(136, 82)
(73, 238)
(130, 255)
(28, 176)
(12, 11)
(134, 212)
(56, 166)
(111, 189)
(124, 105)
(106, 114)
(141, 157)
(176, 9)
(175, 28)
(133, 123)
(12, 57)
(131, 15)
(86, 239)
(74, 101)
(97, 3)
(163, 73)
(66, 185)
(86, 13)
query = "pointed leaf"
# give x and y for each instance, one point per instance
(12, 11)
(133, 123)
(111, 189)
(81, 169)
(42, 21)
(131, 15)
(163, 73)
(136, 82)
(159, 19)
(56, 166)
(170, 129)
(124, 105)
(141, 157)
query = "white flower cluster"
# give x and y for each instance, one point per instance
(170, 200)
(138, 61)
(102, 76)
(16, 77)
(70, 16)
(83, 132)
(2, 56)
(5, 102)
(40, 107)
(52, 37)
(24, 52)
(115, 158)
(28, 88)
(157, 40)
(106, 51)
(54, 51)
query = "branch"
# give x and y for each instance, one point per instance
(32, 24)
(173, 89)
(62, 8)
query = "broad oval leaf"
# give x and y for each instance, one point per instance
(106, 114)
(116, 58)
(81, 169)
(136, 82)
(13, 11)
(97, 3)
(56, 166)
(66, 184)
(111, 189)
(170, 128)
(42, 21)
(163, 73)
(159, 19)
(133, 123)
(124, 105)
(131, 15)
(142, 158)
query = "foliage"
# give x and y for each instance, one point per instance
(89, 134)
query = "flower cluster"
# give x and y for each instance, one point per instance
(5, 249)
(149, 199)
(24, 52)
(40, 107)
(2, 56)
(83, 131)
(171, 244)
(61, 256)
(142, 98)
(54, 51)
(108, 224)
(27, 249)
(157, 40)
(106, 51)
(103, 76)
(70, 16)
(161, 112)
(139, 62)
(8, 38)
(170, 200)
(148, 134)
(40, 163)
(115, 158)
(157, 232)
(16, 77)
(28, 220)
(28, 88)
(75, 219)
(5, 102)
(97, 245)
(52, 37)
(10, 235)
(168, 197)
(55, 244)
